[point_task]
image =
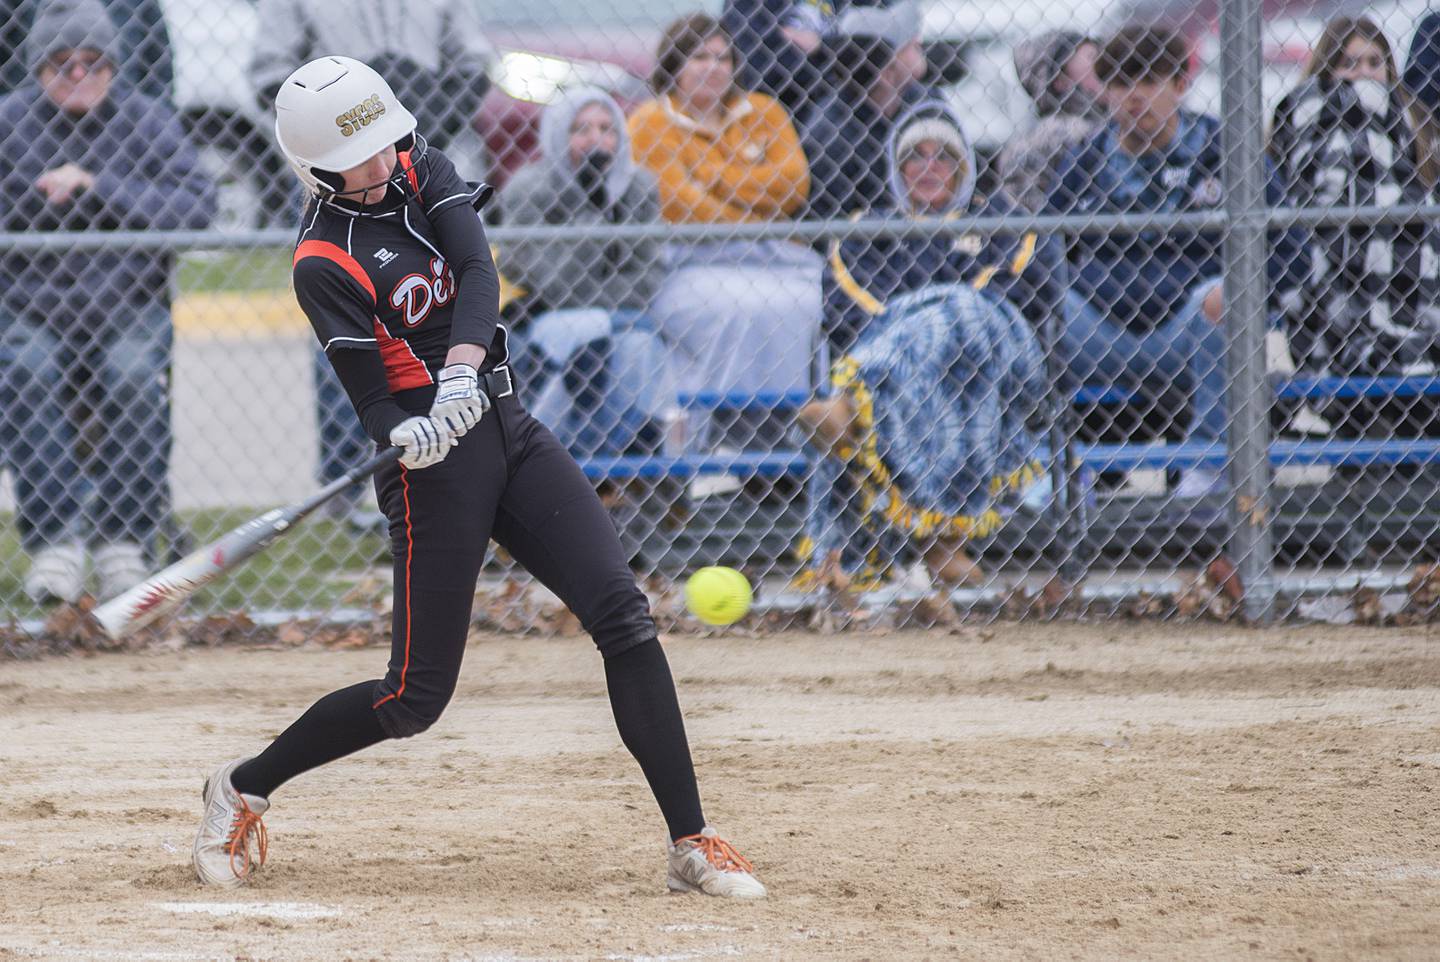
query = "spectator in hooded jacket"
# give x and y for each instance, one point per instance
(878, 64)
(84, 151)
(862, 274)
(600, 370)
(1057, 70)
(738, 315)
(926, 438)
(142, 45)
(1145, 310)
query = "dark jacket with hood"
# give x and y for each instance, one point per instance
(1027, 162)
(142, 51)
(863, 274)
(147, 177)
(844, 140)
(843, 134)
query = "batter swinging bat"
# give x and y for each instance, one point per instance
(167, 590)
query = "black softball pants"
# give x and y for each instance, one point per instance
(514, 482)
(508, 479)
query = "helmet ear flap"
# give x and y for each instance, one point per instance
(329, 178)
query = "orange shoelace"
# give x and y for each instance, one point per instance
(719, 853)
(246, 823)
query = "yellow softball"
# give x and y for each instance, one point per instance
(717, 596)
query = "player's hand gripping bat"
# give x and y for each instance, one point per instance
(167, 590)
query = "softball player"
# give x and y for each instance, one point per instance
(394, 272)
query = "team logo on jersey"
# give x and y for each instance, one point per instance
(385, 256)
(360, 115)
(417, 295)
(1173, 177)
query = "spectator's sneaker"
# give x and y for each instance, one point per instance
(1038, 496)
(222, 846)
(57, 573)
(120, 567)
(1198, 483)
(1306, 421)
(707, 863)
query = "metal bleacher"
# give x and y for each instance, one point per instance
(1342, 521)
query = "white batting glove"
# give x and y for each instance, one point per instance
(459, 402)
(426, 441)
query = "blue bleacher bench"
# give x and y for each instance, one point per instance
(1102, 457)
(1309, 388)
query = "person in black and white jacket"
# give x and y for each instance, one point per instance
(1347, 136)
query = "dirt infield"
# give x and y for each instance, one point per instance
(1118, 791)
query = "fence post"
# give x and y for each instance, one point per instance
(1248, 397)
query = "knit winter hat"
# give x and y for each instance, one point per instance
(939, 130)
(70, 25)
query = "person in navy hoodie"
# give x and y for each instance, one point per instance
(863, 273)
(1145, 311)
(85, 151)
(929, 429)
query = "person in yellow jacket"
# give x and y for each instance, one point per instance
(724, 155)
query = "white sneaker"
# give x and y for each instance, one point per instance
(222, 846)
(707, 863)
(1305, 420)
(57, 573)
(1199, 483)
(120, 567)
(1041, 492)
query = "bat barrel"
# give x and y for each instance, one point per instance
(162, 593)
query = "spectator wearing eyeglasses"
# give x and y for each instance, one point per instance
(86, 152)
(143, 55)
(927, 438)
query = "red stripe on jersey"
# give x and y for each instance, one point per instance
(409, 554)
(329, 251)
(410, 174)
(403, 370)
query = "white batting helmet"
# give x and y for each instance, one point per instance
(334, 113)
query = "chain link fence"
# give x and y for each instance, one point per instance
(913, 311)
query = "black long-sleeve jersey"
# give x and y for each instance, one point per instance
(408, 283)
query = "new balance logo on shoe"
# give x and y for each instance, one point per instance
(217, 819)
(385, 256)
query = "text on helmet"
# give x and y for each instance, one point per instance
(360, 115)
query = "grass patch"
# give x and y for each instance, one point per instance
(314, 567)
(249, 270)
